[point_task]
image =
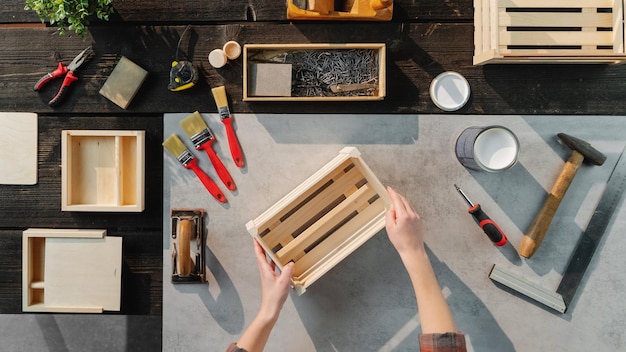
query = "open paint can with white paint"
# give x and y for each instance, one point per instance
(491, 148)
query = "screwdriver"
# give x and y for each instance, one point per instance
(491, 229)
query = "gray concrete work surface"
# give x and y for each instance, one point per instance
(366, 303)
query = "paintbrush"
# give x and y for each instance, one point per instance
(219, 94)
(175, 146)
(198, 131)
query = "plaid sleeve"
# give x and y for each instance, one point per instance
(447, 342)
(234, 348)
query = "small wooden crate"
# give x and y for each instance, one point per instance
(548, 31)
(71, 271)
(267, 53)
(102, 170)
(324, 219)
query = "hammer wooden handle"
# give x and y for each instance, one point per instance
(538, 229)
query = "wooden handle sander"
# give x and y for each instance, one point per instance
(581, 151)
(187, 243)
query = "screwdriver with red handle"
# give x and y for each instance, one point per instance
(491, 229)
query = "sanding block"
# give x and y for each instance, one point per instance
(187, 246)
(124, 82)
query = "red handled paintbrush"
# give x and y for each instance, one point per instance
(175, 146)
(219, 94)
(198, 131)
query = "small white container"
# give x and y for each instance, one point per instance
(218, 58)
(449, 91)
(232, 49)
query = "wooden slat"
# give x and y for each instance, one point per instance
(556, 3)
(618, 26)
(314, 263)
(559, 52)
(342, 185)
(550, 19)
(325, 224)
(555, 38)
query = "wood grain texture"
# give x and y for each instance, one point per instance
(416, 53)
(237, 10)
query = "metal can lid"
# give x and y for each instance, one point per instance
(449, 91)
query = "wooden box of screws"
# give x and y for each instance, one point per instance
(314, 72)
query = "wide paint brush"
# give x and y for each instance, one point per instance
(219, 94)
(198, 131)
(175, 146)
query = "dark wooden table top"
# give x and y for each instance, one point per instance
(424, 39)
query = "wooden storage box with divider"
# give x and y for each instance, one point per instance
(324, 219)
(548, 31)
(102, 170)
(314, 72)
(71, 271)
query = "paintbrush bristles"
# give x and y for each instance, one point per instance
(219, 94)
(174, 145)
(193, 124)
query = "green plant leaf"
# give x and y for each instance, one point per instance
(70, 14)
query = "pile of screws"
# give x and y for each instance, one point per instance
(316, 70)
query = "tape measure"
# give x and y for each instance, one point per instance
(183, 75)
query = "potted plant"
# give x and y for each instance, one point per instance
(71, 15)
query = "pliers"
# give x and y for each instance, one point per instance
(64, 70)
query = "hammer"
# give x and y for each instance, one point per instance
(581, 150)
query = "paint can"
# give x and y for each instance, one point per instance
(490, 148)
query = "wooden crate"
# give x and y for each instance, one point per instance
(267, 54)
(71, 271)
(102, 170)
(324, 219)
(548, 31)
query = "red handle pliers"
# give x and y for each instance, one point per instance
(68, 71)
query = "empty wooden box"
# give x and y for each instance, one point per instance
(102, 170)
(548, 31)
(71, 271)
(315, 75)
(324, 219)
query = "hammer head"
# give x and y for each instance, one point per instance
(590, 153)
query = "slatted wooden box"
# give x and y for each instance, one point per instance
(71, 271)
(102, 170)
(548, 31)
(271, 54)
(324, 219)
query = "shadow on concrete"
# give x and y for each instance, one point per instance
(51, 333)
(226, 308)
(341, 129)
(367, 303)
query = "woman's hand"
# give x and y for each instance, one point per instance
(403, 224)
(274, 286)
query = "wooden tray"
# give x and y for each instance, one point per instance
(102, 170)
(324, 219)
